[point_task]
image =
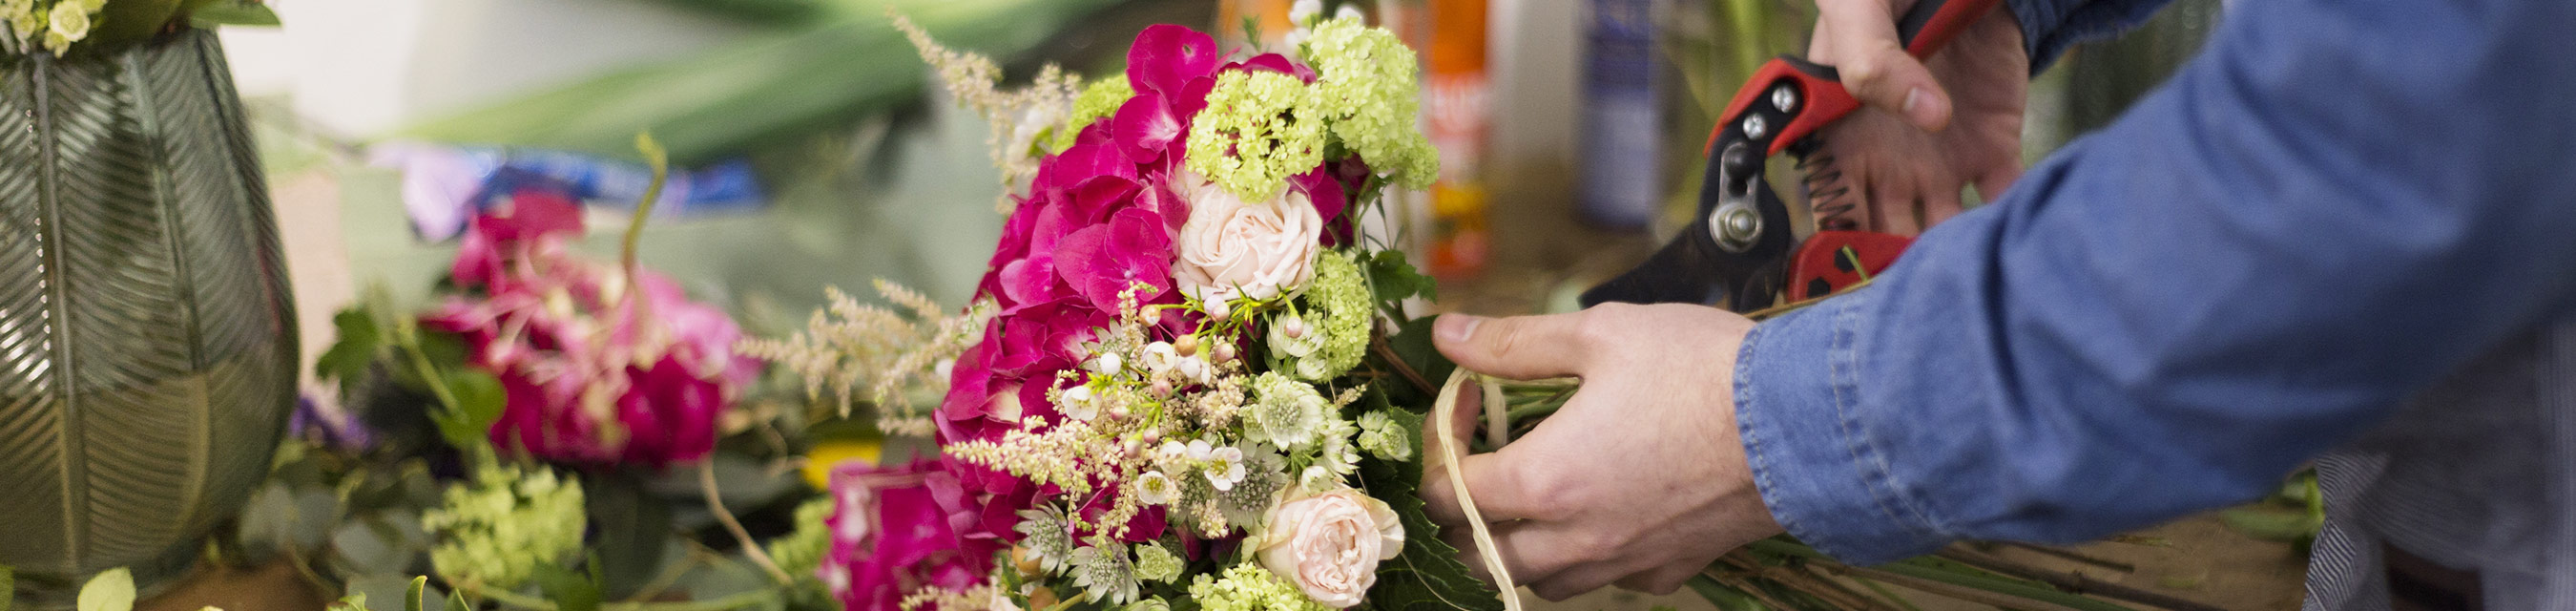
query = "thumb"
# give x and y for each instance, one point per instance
(1520, 348)
(1877, 69)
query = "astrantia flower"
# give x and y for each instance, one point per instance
(1367, 84)
(1105, 576)
(1383, 438)
(1260, 127)
(1047, 537)
(1285, 412)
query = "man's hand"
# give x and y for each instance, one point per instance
(1925, 130)
(1639, 480)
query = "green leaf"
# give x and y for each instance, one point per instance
(234, 13)
(347, 360)
(456, 602)
(412, 600)
(571, 590)
(633, 530)
(479, 400)
(1411, 343)
(1395, 279)
(2272, 524)
(109, 591)
(355, 601)
(1427, 574)
(8, 587)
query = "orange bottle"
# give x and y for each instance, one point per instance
(1458, 103)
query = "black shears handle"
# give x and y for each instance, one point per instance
(1737, 249)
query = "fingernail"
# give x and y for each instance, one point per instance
(1457, 327)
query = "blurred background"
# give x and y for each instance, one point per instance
(812, 154)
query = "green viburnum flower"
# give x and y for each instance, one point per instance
(1341, 295)
(1100, 100)
(1106, 577)
(1366, 81)
(1381, 437)
(1153, 563)
(1151, 604)
(1285, 412)
(802, 550)
(1248, 587)
(1259, 128)
(495, 530)
(23, 18)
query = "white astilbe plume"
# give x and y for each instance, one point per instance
(1019, 117)
(895, 356)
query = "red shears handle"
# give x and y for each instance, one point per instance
(1923, 29)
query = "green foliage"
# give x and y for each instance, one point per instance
(232, 13)
(478, 400)
(8, 587)
(570, 590)
(1395, 280)
(1426, 575)
(112, 590)
(362, 340)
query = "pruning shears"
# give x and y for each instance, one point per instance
(1740, 249)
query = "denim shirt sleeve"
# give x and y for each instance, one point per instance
(2048, 27)
(2339, 203)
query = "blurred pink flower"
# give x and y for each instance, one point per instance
(589, 377)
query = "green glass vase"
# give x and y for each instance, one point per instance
(147, 339)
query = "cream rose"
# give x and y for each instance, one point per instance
(1329, 544)
(1232, 248)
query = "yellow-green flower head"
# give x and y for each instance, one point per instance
(1098, 101)
(1248, 587)
(23, 19)
(495, 530)
(1153, 563)
(1366, 78)
(1259, 128)
(1383, 438)
(1341, 294)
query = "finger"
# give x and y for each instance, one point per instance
(1891, 204)
(1520, 348)
(1663, 580)
(1502, 484)
(1991, 186)
(1876, 68)
(1939, 204)
(1532, 551)
(1577, 580)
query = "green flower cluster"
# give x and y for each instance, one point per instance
(57, 24)
(1098, 101)
(1383, 438)
(1153, 563)
(1259, 128)
(497, 529)
(1248, 587)
(1341, 293)
(1366, 78)
(802, 550)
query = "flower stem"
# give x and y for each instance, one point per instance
(715, 504)
(522, 601)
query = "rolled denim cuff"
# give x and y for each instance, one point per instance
(1817, 468)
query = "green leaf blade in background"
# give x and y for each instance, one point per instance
(112, 590)
(758, 92)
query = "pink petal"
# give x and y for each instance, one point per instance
(1146, 127)
(1165, 58)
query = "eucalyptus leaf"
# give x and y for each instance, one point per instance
(316, 510)
(112, 590)
(269, 519)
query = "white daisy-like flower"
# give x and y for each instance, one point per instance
(1159, 357)
(1225, 467)
(1154, 488)
(1077, 403)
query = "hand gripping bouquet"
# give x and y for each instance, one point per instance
(1176, 387)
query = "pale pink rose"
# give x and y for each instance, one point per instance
(1329, 544)
(1232, 248)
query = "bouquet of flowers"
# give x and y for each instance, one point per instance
(1176, 387)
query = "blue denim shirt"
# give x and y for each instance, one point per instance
(2337, 204)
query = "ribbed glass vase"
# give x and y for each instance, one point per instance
(147, 339)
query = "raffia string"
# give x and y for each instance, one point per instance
(1443, 413)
